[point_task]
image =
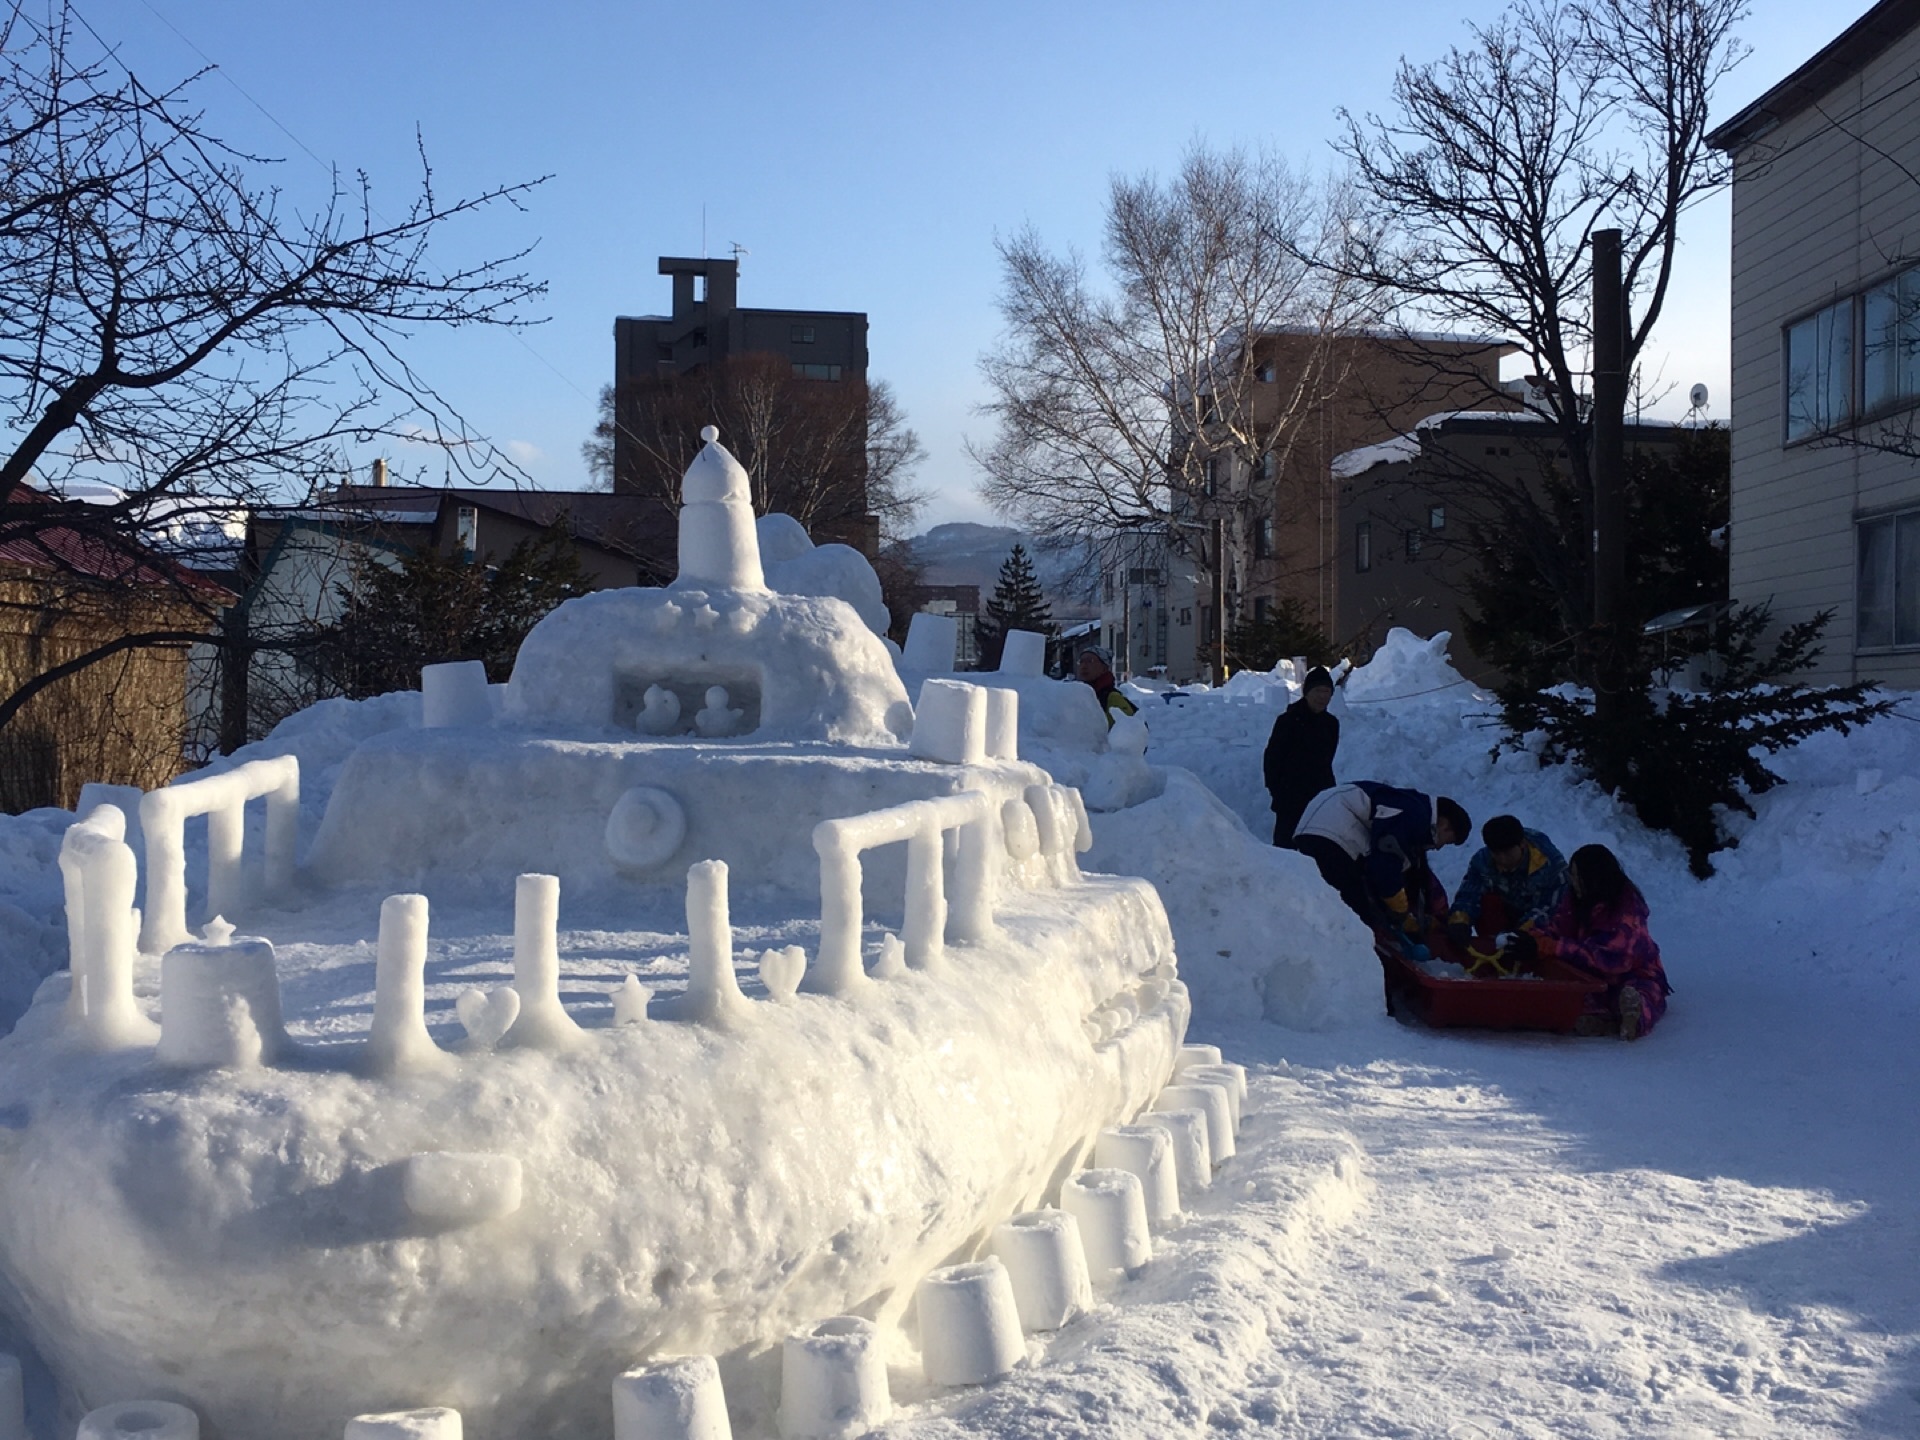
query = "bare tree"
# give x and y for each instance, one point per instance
(1490, 177)
(1146, 404)
(176, 329)
(822, 451)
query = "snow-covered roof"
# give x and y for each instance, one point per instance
(1349, 463)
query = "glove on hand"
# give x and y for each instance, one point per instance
(1522, 950)
(1459, 928)
(1412, 923)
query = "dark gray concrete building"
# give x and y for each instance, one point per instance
(708, 325)
(708, 332)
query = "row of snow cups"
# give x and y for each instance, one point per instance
(833, 1377)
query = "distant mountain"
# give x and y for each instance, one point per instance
(962, 553)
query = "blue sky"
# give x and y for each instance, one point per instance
(866, 155)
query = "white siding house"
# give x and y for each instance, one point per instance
(1826, 346)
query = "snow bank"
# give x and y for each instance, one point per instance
(1256, 928)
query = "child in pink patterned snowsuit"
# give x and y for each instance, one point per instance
(1600, 929)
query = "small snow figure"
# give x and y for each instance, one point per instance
(630, 1002)
(892, 963)
(716, 720)
(659, 711)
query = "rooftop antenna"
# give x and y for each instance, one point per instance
(1697, 400)
(738, 250)
(703, 229)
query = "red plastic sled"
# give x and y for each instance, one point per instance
(1554, 1002)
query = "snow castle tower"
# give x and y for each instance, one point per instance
(719, 547)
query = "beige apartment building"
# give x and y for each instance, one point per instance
(1826, 347)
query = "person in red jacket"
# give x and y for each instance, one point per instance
(1600, 929)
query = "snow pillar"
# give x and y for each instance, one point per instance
(99, 876)
(1146, 1151)
(671, 1400)
(454, 693)
(1192, 1156)
(1210, 1099)
(925, 926)
(1233, 1077)
(283, 829)
(1047, 1265)
(140, 1420)
(543, 1022)
(713, 990)
(833, 1381)
(932, 643)
(220, 1004)
(1003, 723)
(164, 918)
(1024, 653)
(438, 1423)
(969, 1324)
(226, 836)
(1112, 1213)
(836, 970)
(13, 1400)
(399, 1041)
(971, 919)
(950, 723)
(1187, 1056)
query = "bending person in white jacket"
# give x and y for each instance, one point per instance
(1371, 841)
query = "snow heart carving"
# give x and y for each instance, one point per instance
(782, 970)
(487, 1016)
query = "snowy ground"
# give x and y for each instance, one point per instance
(1708, 1233)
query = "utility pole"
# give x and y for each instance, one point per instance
(1609, 477)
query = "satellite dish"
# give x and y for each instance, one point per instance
(1697, 397)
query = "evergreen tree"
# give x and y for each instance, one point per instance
(1687, 759)
(1284, 633)
(1017, 604)
(436, 607)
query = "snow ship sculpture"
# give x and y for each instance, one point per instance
(271, 1184)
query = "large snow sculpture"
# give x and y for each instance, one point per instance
(506, 1230)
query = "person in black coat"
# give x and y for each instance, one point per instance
(1299, 758)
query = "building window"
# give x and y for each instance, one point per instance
(1213, 475)
(1263, 539)
(466, 531)
(1890, 344)
(1889, 594)
(1436, 517)
(1264, 373)
(816, 372)
(1186, 615)
(1363, 547)
(1267, 465)
(1820, 372)
(802, 335)
(1413, 543)
(1262, 606)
